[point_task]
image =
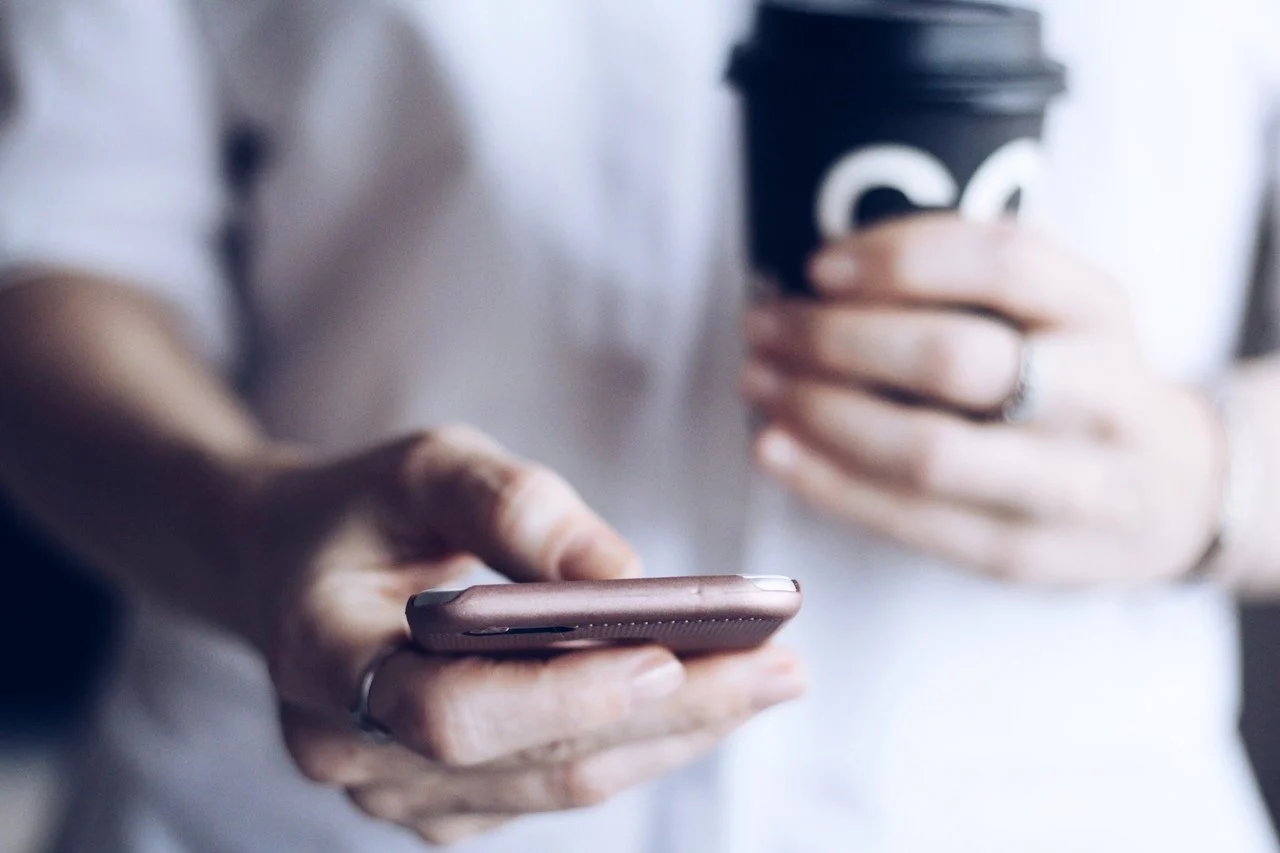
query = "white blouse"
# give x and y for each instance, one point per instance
(527, 216)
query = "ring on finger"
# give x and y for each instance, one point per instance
(1021, 405)
(361, 718)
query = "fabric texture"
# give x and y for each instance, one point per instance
(110, 160)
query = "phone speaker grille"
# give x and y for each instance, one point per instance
(680, 636)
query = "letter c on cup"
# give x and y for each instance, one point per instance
(921, 177)
(925, 181)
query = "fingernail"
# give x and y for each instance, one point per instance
(834, 269)
(777, 451)
(658, 676)
(782, 679)
(761, 383)
(763, 327)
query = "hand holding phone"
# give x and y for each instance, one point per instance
(478, 740)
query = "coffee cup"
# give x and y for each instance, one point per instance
(857, 111)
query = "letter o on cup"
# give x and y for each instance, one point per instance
(1013, 167)
(925, 181)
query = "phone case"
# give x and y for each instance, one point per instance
(685, 614)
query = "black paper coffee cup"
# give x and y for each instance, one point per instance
(860, 110)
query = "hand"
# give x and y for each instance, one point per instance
(336, 550)
(881, 394)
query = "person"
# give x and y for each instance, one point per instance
(484, 306)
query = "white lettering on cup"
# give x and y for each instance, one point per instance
(1016, 166)
(921, 177)
(925, 181)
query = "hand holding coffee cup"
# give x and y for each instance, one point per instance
(960, 383)
(855, 112)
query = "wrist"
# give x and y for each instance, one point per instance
(1232, 553)
(246, 531)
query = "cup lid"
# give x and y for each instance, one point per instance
(939, 51)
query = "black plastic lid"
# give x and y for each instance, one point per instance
(982, 55)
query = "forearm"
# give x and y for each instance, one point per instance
(122, 442)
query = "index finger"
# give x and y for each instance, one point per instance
(522, 519)
(940, 259)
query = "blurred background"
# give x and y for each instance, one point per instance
(56, 630)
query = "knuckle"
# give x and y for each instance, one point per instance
(289, 643)
(440, 833)
(422, 448)
(946, 360)
(556, 752)
(733, 699)
(438, 730)
(581, 784)
(894, 257)
(999, 343)
(329, 763)
(968, 362)
(1015, 555)
(727, 692)
(816, 335)
(517, 488)
(431, 450)
(811, 404)
(732, 707)
(302, 749)
(436, 835)
(316, 769)
(1012, 248)
(452, 434)
(381, 803)
(836, 342)
(450, 829)
(282, 668)
(604, 706)
(929, 457)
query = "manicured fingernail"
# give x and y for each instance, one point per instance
(657, 676)
(778, 451)
(761, 383)
(782, 679)
(834, 269)
(763, 327)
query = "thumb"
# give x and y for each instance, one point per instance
(458, 491)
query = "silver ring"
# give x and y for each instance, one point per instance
(1020, 406)
(360, 716)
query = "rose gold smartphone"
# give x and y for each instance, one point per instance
(687, 614)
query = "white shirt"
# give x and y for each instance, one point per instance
(526, 216)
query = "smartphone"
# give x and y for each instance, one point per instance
(685, 614)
